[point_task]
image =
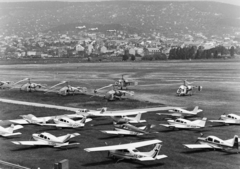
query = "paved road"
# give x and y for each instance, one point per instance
(154, 109)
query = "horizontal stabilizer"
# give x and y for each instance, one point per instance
(140, 121)
(12, 134)
(151, 159)
(195, 146)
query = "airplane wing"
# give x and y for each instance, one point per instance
(175, 126)
(135, 121)
(171, 114)
(120, 132)
(10, 134)
(17, 127)
(120, 113)
(74, 115)
(19, 121)
(150, 158)
(223, 121)
(152, 109)
(56, 125)
(30, 143)
(123, 146)
(193, 146)
(167, 125)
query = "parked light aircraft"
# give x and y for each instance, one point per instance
(31, 119)
(114, 94)
(103, 112)
(65, 122)
(47, 139)
(186, 89)
(128, 129)
(228, 119)
(123, 83)
(129, 151)
(125, 119)
(67, 90)
(185, 124)
(29, 86)
(179, 112)
(213, 142)
(6, 132)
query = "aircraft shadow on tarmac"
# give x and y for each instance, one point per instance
(130, 136)
(111, 161)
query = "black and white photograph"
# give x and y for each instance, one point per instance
(123, 84)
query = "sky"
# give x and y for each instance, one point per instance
(234, 2)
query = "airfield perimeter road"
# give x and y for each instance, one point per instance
(158, 82)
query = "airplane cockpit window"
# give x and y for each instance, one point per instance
(178, 121)
(209, 139)
(125, 151)
(216, 141)
(41, 136)
(229, 116)
(135, 150)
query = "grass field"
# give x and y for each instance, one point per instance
(158, 82)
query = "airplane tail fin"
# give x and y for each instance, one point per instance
(147, 128)
(11, 128)
(103, 110)
(202, 122)
(154, 152)
(195, 110)
(138, 117)
(235, 142)
(83, 120)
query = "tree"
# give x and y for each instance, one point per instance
(133, 58)
(232, 51)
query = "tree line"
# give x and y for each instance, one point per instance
(194, 52)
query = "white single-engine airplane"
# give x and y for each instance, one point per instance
(128, 129)
(186, 89)
(47, 139)
(179, 112)
(31, 119)
(114, 94)
(185, 124)
(213, 142)
(29, 86)
(227, 119)
(67, 90)
(6, 132)
(117, 115)
(65, 122)
(129, 151)
(125, 119)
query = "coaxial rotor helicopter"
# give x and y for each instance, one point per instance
(29, 86)
(114, 94)
(186, 89)
(123, 83)
(67, 90)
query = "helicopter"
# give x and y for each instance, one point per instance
(68, 89)
(114, 94)
(5, 84)
(186, 89)
(123, 83)
(29, 86)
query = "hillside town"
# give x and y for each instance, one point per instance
(89, 42)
